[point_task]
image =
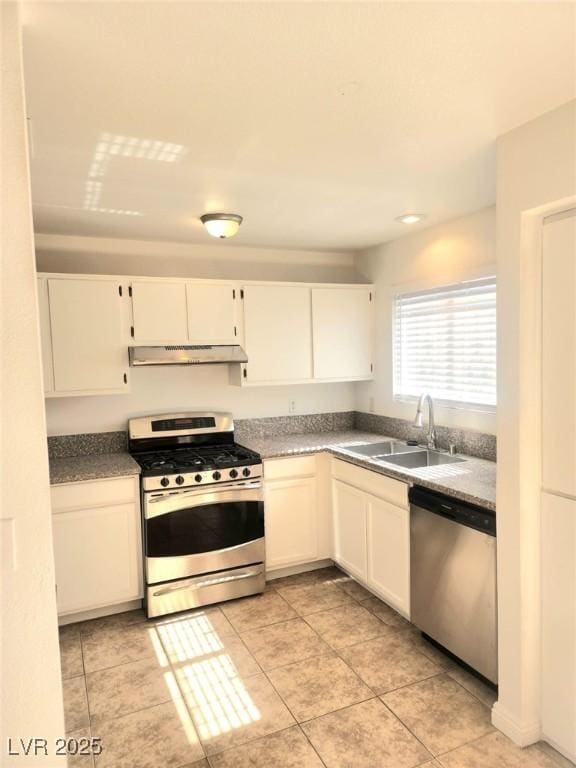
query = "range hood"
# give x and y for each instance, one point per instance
(188, 355)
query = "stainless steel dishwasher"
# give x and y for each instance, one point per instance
(453, 577)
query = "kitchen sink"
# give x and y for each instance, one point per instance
(378, 450)
(421, 458)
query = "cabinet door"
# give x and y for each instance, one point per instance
(559, 621)
(559, 356)
(97, 556)
(45, 336)
(349, 506)
(86, 327)
(159, 312)
(278, 333)
(211, 313)
(291, 522)
(389, 552)
(342, 326)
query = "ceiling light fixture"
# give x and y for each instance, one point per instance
(411, 218)
(221, 224)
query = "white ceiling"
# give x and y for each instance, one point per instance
(319, 122)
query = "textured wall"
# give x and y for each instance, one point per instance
(31, 703)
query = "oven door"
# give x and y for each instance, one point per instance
(203, 530)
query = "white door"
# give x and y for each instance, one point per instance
(389, 552)
(291, 522)
(159, 312)
(97, 556)
(212, 313)
(559, 621)
(278, 333)
(349, 509)
(343, 326)
(86, 327)
(559, 355)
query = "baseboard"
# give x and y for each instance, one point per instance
(292, 570)
(96, 613)
(522, 734)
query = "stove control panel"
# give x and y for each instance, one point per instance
(181, 481)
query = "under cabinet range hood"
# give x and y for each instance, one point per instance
(191, 354)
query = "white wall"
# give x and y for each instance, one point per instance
(109, 256)
(204, 387)
(536, 167)
(456, 250)
(165, 389)
(30, 688)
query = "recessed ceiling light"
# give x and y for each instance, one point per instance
(411, 218)
(221, 224)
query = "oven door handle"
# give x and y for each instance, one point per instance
(154, 506)
(202, 581)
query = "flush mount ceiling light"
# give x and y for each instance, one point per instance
(411, 218)
(221, 224)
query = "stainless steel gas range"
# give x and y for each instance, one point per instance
(202, 511)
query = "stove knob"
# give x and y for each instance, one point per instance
(179, 480)
(164, 482)
(216, 475)
(246, 471)
(233, 473)
(198, 478)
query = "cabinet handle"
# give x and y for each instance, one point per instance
(245, 373)
(132, 331)
(125, 378)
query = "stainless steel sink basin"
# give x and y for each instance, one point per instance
(421, 458)
(387, 448)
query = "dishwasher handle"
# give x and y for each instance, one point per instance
(461, 512)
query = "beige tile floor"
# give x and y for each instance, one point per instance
(314, 673)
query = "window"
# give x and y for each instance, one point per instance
(445, 344)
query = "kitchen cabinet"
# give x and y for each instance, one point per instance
(342, 323)
(45, 336)
(559, 356)
(372, 531)
(277, 334)
(292, 513)
(159, 312)
(97, 543)
(85, 353)
(212, 313)
(350, 509)
(388, 538)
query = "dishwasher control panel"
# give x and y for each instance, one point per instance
(461, 512)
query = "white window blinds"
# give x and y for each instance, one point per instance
(445, 344)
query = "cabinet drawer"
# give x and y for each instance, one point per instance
(394, 491)
(93, 493)
(296, 466)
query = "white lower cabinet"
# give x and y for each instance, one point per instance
(295, 516)
(372, 531)
(97, 543)
(388, 543)
(349, 509)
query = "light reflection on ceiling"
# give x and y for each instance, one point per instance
(115, 145)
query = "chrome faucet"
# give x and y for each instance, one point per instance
(431, 436)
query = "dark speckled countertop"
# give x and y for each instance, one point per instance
(74, 469)
(472, 480)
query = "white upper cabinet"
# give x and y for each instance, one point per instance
(45, 336)
(159, 312)
(212, 313)
(88, 353)
(559, 356)
(278, 333)
(342, 320)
